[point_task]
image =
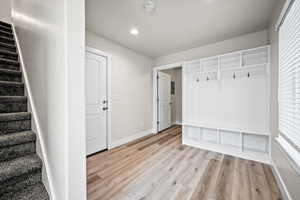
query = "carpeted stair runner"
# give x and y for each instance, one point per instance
(20, 166)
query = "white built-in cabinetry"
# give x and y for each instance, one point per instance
(226, 103)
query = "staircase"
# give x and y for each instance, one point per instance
(20, 166)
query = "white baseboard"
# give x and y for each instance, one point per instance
(178, 123)
(282, 187)
(130, 138)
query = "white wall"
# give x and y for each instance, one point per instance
(51, 36)
(287, 172)
(131, 88)
(176, 108)
(234, 44)
(5, 10)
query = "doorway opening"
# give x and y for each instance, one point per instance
(168, 98)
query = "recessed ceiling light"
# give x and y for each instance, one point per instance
(134, 31)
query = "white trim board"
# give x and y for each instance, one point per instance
(109, 104)
(169, 66)
(282, 187)
(292, 155)
(131, 138)
(283, 13)
(36, 121)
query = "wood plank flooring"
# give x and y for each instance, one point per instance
(159, 167)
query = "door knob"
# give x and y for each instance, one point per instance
(105, 108)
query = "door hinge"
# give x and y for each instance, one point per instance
(157, 77)
(157, 122)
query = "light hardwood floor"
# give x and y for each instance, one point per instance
(159, 167)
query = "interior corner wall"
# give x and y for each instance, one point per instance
(131, 79)
(247, 41)
(288, 174)
(5, 10)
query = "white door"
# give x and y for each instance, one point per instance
(96, 102)
(164, 101)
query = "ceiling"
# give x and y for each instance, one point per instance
(175, 25)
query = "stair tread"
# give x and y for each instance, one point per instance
(3, 37)
(8, 52)
(10, 75)
(19, 166)
(10, 71)
(9, 61)
(11, 83)
(5, 32)
(13, 98)
(36, 192)
(5, 28)
(9, 45)
(17, 138)
(11, 88)
(15, 116)
(5, 24)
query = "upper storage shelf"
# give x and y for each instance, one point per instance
(255, 56)
(230, 61)
(210, 64)
(241, 64)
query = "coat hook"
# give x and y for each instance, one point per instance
(234, 76)
(248, 75)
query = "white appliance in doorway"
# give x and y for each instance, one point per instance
(96, 102)
(164, 101)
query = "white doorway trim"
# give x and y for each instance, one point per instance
(109, 104)
(155, 90)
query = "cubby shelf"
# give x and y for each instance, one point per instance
(243, 131)
(237, 143)
(229, 150)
